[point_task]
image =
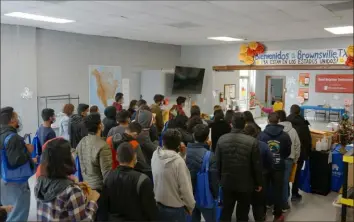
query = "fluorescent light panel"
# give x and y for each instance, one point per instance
(38, 17)
(225, 39)
(340, 30)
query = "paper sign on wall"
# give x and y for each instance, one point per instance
(334, 83)
(304, 79)
(304, 92)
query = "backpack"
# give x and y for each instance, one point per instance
(37, 151)
(78, 173)
(203, 196)
(10, 174)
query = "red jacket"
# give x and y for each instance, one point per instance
(118, 106)
(179, 110)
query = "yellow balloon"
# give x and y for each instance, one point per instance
(249, 60)
(243, 48)
(242, 56)
(350, 51)
(253, 45)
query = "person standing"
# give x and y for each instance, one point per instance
(133, 107)
(239, 165)
(64, 123)
(45, 131)
(140, 103)
(110, 120)
(18, 156)
(156, 108)
(218, 127)
(59, 198)
(279, 144)
(94, 154)
(194, 161)
(119, 100)
(128, 194)
(123, 122)
(177, 109)
(302, 128)
(77, 129)
(294, 155)
(172, 182)
(94, 109)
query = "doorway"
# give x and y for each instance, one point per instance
(275, 89)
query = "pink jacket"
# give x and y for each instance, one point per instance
(267, 110)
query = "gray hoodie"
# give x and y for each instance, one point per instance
(295, 141)
(172, 180)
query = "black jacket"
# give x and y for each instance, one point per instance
(279, 143)
(147, 146)
(16, 151)
(239, 162)
(194, 161)
(108, 124)
(302, 128)
(121, 201)
(186, 137)
(218, 129)
(77, 130)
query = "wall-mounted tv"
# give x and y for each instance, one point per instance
(188, 80)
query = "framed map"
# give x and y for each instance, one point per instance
(104, 83)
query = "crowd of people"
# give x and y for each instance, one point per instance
(139, 165)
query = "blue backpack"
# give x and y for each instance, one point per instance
(78, 173)
(203, 196)
(37, 151)
(10, 174)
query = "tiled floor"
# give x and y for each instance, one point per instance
(311, 208)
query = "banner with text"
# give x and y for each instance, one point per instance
(334, 83)
(303, 57)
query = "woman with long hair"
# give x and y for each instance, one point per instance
(228, 116)
(218, 128)
(133, 107)
(58, 196)
(250, 121)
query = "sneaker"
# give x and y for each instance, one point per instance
(296, 197)
(286, 208)
(279, 219)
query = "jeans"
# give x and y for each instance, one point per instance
(288, 166)
(171, 214)
(243, 205)
(275, 179)
(19, 196)
(295, 189)
(208, 214)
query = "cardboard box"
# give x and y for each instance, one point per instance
(318, 135)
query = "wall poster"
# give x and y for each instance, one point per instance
(304, 92)
(334, 83)
(304, 79)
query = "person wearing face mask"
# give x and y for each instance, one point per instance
(127, 194)
(156, 108)
(15, 190)
(177, 109)
(94, 154)
(77, 129)
(45, 131)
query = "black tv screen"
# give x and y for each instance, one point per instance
(188, 80)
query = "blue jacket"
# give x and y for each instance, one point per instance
(267, 157)
(194, 160)
(278, 142)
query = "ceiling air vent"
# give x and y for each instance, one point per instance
(341, 6)
(183, 25)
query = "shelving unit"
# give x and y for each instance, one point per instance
(347, 199)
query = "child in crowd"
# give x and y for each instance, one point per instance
(133, 107)
(156, 108)
(172, 182)
(45, 131)
(64, 124)
(180, 123)
(194, 161)
(219, 127)
(94, 154)
(177, 109)
(139, 104)
(123, 120)
(94, 109)
(279, 143)
(58, 197)
(110, 120)
(127, 194)
(250, 121)
(119, 100)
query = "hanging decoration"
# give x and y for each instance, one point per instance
(249, 51)
(350, 56)
(26, 94)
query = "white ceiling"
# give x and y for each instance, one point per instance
(154, 21)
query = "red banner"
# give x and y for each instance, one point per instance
(334, 83)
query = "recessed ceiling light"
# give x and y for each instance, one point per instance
(225, 39)
(38, 17)
(340, 30)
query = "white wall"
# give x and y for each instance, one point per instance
(52, 63)
(227, 54)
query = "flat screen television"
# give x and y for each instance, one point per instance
(188, 80)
